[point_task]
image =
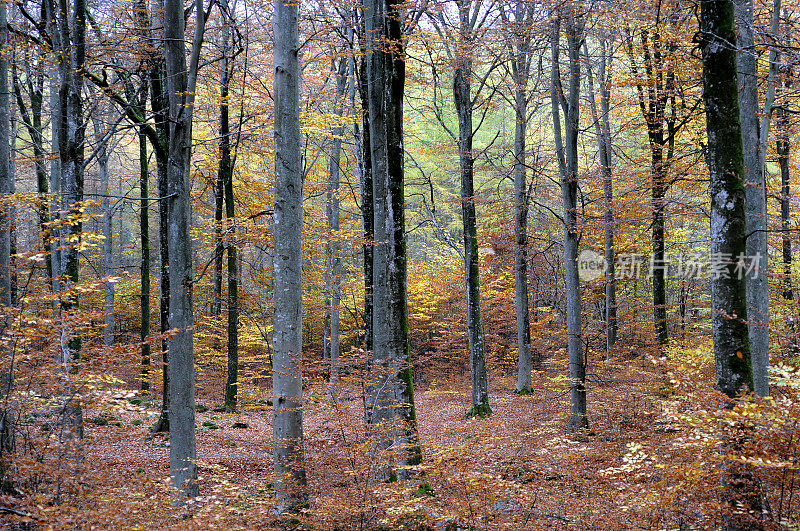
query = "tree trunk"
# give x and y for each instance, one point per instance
(160, 107)
(55, 171)
(525, 362)
(287, 381)
(755, 196)
(728, 228)
(180, 87)
(108, 239)
(71, 147)
(390, 403)
(226, 175)
(219, 202)
(6, 186)
(783, 149)
(144, 231)
(333, 262)
(567, 151)
(364, 157)
(462, 98)
(602, 127)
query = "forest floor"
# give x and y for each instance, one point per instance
(515, 469)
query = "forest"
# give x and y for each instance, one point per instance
(399, 264)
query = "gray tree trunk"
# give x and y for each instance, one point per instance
(783, 147)
(728, 224)
(181, 83)
(462, 98)
(226, 163)
(160, 107)
(55, 168)
(517, 19)
(602, 127)
(106, 221)
(6, 185)
(72, 32)
(287, 381)
(567, 152)
(725, 160)
(333, 262)
(390, 402)
(144, 232)
(755, 195)
(364, 161)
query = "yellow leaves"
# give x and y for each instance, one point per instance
(321, 124)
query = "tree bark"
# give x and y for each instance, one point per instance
(725, 159)
(755, 195)
(333, 263)
(159, 104)
(144, 231)
(364, 160)
(287, 381)
(55, 163)
(6, 186)
(108, 238)
(567, 152)
(462, 98)
(72, 30)
(783, 149)
(602, 127)
(226, 174)
(390, 403)
(181, 83)
(520, 55)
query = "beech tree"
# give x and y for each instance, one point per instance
(181, 85)
(602, 126)
(459, 39)
(6, 185)
(391, 392)
(518, 19)
(287, 381)
(566, 142)
(728, 233)
(755, 132)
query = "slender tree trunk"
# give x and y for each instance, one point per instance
(602, 127)
(755, 196)
(783, 148)
(219, 202)
(159, 104)
(390, 405)
(55, 170)
(517, 18)
(333, 262)
(6, 186)
(107, 217)
(462, 98)
(567, 151)
(525, 362)
(144, 231)
(226, 174)
(287, 381)
(364, 155)
(180, 87)
(728, 228)
(71, 142)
